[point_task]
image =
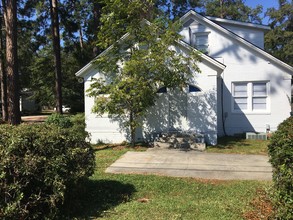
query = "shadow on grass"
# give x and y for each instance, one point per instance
(95, 197)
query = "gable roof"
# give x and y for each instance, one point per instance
(240, 23)
(210, 22)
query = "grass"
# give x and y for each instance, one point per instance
(119, 196)
(235, 145)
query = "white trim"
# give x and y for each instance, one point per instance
(249, 97)
(216, 63)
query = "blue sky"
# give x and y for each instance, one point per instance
(265, 3)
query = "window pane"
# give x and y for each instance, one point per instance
(240, 103)
(259, 103)
(240, 90)
(201, 40)
(193, 89)
(259, 89)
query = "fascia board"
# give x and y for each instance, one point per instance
(207, 58)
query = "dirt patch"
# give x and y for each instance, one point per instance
(118, 147)
(262, 207)
(33, 119)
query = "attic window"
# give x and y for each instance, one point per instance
(201, 41)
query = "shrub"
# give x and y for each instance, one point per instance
(281, 158)
(59, 120)
(39, 165)
(78, 125)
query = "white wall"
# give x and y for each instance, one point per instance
(244, 64)
(196, 112)
(181, 110)
(253, 35)
(101, 128)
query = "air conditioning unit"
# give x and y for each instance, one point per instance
(256, 136)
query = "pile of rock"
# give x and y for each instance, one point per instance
(180, 140)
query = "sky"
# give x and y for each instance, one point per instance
(265, 3)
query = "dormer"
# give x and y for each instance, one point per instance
(197, 35)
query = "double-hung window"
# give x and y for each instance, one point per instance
(250, 97)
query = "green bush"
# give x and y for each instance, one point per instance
(59, 120)
(39, 166)
(281, 158)
(78, 124)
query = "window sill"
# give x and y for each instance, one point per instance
(251, 113)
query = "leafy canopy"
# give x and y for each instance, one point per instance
(279, 41)
(232, 9)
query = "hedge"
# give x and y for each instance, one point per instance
(281, 158)
(38, 167)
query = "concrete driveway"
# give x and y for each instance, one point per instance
(194, 164)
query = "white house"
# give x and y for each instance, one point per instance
(241, 88)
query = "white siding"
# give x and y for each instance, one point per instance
(245, 65)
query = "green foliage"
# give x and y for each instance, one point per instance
(279, 40)
(78, 125)
(281, 157)
(137, 64)
(232, 9)
(59, 120)
(39, 166)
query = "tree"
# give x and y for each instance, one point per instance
(232, 9)
(57, 53)
(3, 77)
(176, 8)
(138, 63)
(10, 18)
(279, 41)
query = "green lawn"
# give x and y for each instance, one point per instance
(117, 196)
(230, 145)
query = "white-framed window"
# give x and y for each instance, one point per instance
(250, 97)
(201, 41)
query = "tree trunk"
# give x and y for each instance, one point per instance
(80, 37)
(97, 15)
(132, 129)
(10, 18)
(222, 8)
(57, 55)
(3, 78)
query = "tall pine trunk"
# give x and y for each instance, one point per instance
(57, 54)
(97, 8)
(3, 77)
(10, 18)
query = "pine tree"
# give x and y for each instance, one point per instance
(10, 18)
(57, 53)
(3, 78)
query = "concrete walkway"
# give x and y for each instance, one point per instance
(194, 164)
